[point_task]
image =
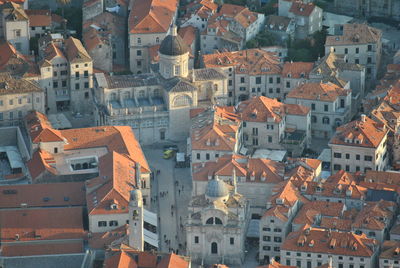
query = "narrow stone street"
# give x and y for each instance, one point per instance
(171, 191)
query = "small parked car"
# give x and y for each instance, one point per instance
(168, 154)
(171, 147)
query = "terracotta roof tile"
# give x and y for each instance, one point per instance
(41, 224)
(43, 195)
(302, 9)
(318, 91)
(39, 18)
(359, 133)
(47, 248)
(310, 211)
(40, 163)
(297, 69)
(116, 180)
(14, 62)
(151, 16)
(253, 169)
(120, 260)
(104, 240)
(75, 51)
(251, 61)
(355, 34)
(336, 224)
(188, 34)
(330, 242)
(390, 250)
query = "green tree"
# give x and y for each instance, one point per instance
(269, 8)
(252, 43)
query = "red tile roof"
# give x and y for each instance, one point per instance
(251, 61)
(116, 180)
(310, 211)
(47, 248)
(41, 224)
(297, 69)
(355, 34)
(330, 242)
(43, 195)
(126, 258)
(11, 60)
(359, 133)
(104, 240)
(253, 169)
(318, 91)
(151, 16)
(39, 18)
(302, 9)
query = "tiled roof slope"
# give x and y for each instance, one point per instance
(116, 179)
(251, 61)
(253, 169)
(43, 195)
(367, 133)
(330, 242)
(151, 16)
(318, 91)
(354, 34)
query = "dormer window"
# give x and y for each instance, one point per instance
(114, 206)
(289, 75)
(279, 201)
(319, 189)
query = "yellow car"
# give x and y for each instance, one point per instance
(168, 154)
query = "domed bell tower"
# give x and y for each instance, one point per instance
(174, 56)
(136, 238)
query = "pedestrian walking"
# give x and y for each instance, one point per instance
(179, 191)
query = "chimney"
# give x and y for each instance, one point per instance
(363, 117)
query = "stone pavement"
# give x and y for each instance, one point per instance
(171, 194)
(171, 191)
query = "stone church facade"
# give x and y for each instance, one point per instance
(156, 105)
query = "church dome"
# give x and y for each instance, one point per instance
(216, 189)
(173, 45)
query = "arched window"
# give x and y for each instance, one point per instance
(218, 221)
(141, 94)
(113, 96)
(156, 92)
(182, 100)
(210, 221)
(214, 248)
(85, 166)
(126, 95)
(313, 119)
(325, 120)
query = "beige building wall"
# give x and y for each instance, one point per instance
(17, 33)
(300, 259)
(368, 55)
(139, 57)
(81, 83)
(379, 157)
(13, 107)
(94, 220)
